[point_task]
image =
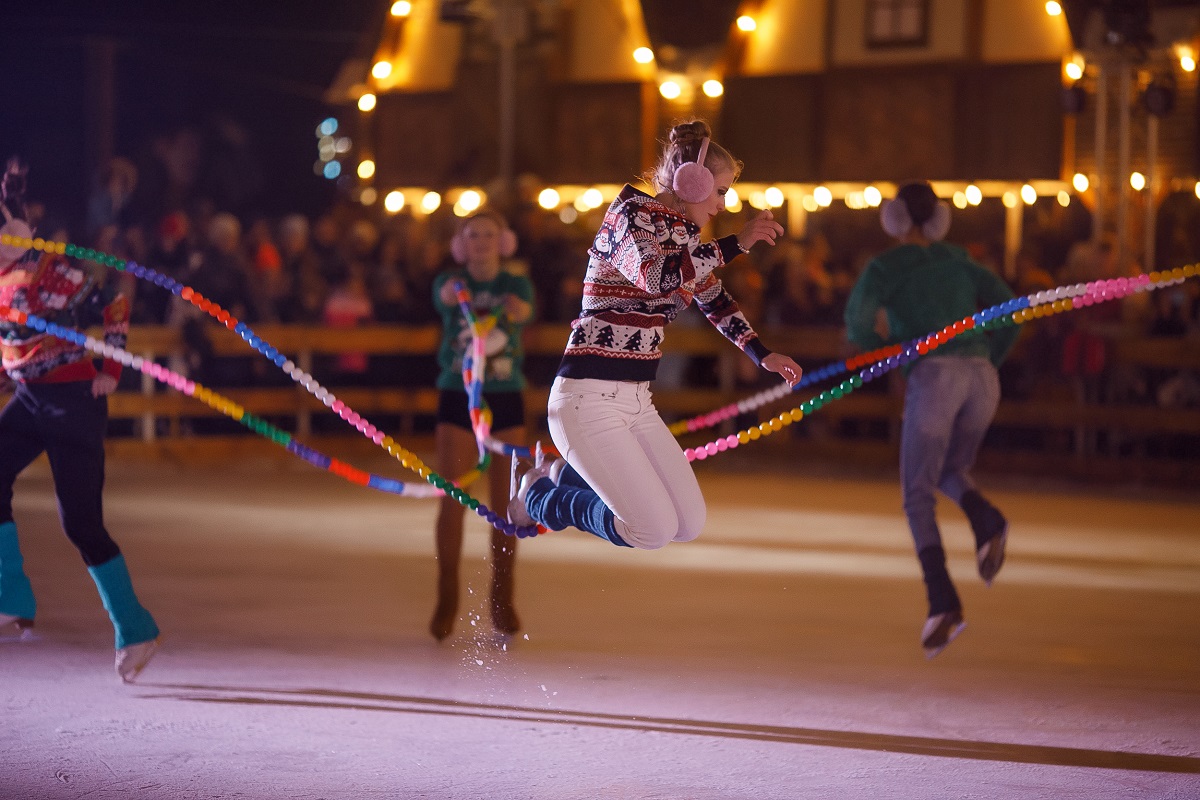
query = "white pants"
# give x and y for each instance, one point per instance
(611, 434)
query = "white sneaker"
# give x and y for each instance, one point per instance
(133, 659)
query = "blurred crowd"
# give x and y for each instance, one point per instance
(346, 267)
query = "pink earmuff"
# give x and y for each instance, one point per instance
(693, 182)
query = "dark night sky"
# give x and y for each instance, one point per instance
(264, 63)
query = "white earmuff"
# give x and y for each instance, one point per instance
(508, 245)
(893, 215)
(937, 226)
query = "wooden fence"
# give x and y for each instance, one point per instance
(1058, 435)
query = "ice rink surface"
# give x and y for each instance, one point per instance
(776, 657)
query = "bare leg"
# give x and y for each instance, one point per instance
(456, 453)
(504, 547)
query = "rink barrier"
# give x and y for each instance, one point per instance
(1016, 311)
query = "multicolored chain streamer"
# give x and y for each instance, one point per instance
(879, 362)
(439, 484)
(875, 363)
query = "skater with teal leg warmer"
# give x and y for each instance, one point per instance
(17, 604)
(59, 407)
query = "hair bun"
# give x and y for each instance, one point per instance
(690, 131)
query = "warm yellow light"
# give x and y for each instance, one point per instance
(974, 194)
(713, 88)
(733, 203)
(459, 211)
(1080, 182)
(1188, 63)
(470, 200)
(810, 203)
(366, 168)
(1028, 194)
(758, 200)
(366, 102)
(670, 90)
(401, 8)
(773, 196)
(1074, 71)
(1053, 8)
(581, 204)
(1138, 181)
(430, 202)
(872, 196)
(548, 198)
(823, 196)
(746, 23)
(855, 200)
(960, 200)
(568, 215)
(1010, 200)
(593, 198)
(643, 55)
(393, 202)
(1064, 199)
(368, 196)
(381, 69)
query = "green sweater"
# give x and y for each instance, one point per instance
(505, 356)
(924, 289)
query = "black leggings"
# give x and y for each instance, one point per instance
(508, 409)
(68, 424)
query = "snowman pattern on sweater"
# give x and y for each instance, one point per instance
(645, 266)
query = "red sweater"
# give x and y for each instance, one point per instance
(57, 289)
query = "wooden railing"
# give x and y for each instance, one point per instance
(1065, 422)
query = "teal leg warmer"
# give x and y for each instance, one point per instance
(16, 593)
(132, 623)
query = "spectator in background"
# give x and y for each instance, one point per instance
(170, 252)
(803, 289)
(304, 301)
(110, 197)
(266, 269)
(349, 306)
(218, 272)
(326, 243)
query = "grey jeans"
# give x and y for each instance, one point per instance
(949, 404)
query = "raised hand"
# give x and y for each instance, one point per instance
(763, 228)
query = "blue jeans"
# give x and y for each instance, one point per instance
(949, 404)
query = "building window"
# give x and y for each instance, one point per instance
(897, 23)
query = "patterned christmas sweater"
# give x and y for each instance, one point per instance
(56, 289)
(646, 265)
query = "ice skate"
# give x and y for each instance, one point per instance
(517, 513)
(940, 630)
(16, 629)
(131, 660)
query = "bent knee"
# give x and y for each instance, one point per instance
(649, 534)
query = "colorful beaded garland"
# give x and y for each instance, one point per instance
(876, 363)
(226, 406)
